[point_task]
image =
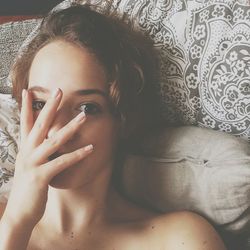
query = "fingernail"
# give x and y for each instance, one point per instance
(89, 147)
(55, 93)
(24, 93)
(80, 117)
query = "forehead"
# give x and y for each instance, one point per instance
(64, 65)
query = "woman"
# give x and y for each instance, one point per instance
(85, 79)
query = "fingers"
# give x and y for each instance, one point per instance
(45, 119)
(34, 133)
(52, 144)
(26, 116)
(54, 167)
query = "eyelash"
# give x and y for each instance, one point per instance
(89, 108)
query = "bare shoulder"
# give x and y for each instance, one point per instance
(186, 231)
(175, 231)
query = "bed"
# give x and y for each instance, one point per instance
(200, 160)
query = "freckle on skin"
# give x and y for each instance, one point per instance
(153, 227)
(204, 242)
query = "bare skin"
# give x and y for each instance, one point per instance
(66, 201)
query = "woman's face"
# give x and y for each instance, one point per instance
(75, 71)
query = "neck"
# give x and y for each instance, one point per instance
(69, 209)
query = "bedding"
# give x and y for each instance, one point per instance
(194, 169)
(203, 48)
(9, 129)
(12, 35)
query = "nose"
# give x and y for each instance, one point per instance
(62, 117)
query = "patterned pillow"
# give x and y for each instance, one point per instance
(12, 36)
(9, 130)
(204, 52)
(204, 48)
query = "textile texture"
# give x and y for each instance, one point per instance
(204, 52)
(12, 35)
(195, 169)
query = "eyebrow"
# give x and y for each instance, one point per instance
(79, 92)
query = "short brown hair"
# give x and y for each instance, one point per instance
(127, 56)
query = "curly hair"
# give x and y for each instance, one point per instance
(127, 56)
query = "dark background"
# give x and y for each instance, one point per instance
(26, 7)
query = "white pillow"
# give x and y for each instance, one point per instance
(196, 169)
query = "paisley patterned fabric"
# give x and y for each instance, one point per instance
(12, 35)
(9, 130)
(223, 63)
(204, 52)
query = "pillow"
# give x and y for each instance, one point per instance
(204, 52)
(217, 97)
(9, 130)
(12, 36)
(193, 168)
(203, 48)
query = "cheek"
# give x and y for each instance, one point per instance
(35, 115)
(101, 133)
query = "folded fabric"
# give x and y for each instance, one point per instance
(195, 169)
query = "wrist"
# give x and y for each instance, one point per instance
(13, 235)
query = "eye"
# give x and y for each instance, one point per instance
(90, 108)
(37, 105)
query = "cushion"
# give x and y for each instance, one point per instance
(196, 169)
(203, 49)
(12, 35)
(9, 130)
